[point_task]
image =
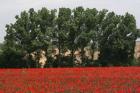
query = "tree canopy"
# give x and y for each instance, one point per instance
(71, 29)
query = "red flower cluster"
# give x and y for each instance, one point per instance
(71, 80)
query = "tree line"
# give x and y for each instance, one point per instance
(71, 29)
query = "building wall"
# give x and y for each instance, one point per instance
(137, 50)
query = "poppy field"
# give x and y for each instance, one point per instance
(71, 80)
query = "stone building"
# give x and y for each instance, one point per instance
(137, 49)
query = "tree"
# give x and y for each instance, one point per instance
(92, 28)
(33, 31)
(30, 32)
(79, 19)
(71, 44)
(138, 32)
(64, 17)
(118, 39)
(47, 24)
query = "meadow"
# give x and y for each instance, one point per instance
(71, 80)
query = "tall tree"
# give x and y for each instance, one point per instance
(112, 35)
(92, 28)
(71, 44)
(118, 39)
(30, 31)
(64, 17)
(81, 39)
(47, 23)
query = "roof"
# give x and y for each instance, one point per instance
(138, 40)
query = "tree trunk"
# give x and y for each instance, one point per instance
(82, 54)
(72, 56)
(27, 64)
(59, 56)
(92, 54)
(46, 55)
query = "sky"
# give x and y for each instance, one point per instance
(10, 8)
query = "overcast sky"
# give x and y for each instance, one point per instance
(10, 8)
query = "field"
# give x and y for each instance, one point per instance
(71, 80)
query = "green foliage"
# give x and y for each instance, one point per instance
(112, 35)
(118, 40)
(11, 58)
